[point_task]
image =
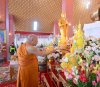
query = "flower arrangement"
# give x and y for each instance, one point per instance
(85, 70)
(92, 49)
(57, 55)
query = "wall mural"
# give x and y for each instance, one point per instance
(2, 36)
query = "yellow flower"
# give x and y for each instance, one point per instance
(79, 37)
(96, 68)
(72, 50)
(80, 43)
(80, 61)
(64, 65)
(73, 61)
(94, 71)
(67, 55)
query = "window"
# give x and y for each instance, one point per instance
(35, 25)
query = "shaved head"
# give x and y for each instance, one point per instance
(32, 39)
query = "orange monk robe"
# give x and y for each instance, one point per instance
(28, 68)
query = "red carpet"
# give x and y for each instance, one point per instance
(5, 64)
(8, 84)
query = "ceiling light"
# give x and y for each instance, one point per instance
(9, 34)
(87, 3)
(69, 24)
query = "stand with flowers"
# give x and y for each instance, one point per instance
(82, 65)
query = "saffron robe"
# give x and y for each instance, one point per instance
(28, 68)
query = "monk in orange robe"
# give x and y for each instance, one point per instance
(28, 63)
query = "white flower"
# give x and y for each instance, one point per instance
(73, 68)
(97, 51)
(87, 65)
(90, 42)
(94, 48)
(96, 58)
(61, 61)
(76, 72)
(77, 77)
(74, 41)
(65, 59)
(75, 81)
(60, 52)
(66, 74)
(93, 44)
(94, 39)
(53, 54)
(49, 56)
(57, 55)
(73, 73)
(89, 48)
(97, 46)
(76, 51)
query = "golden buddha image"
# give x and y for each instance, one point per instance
(63, 25)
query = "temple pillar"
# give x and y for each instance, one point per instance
(67, 8)
(4, 23)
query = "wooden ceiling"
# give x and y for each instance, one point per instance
(27, 11)
(81, 13)
(46, 12)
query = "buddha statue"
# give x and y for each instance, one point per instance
(63, 25)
